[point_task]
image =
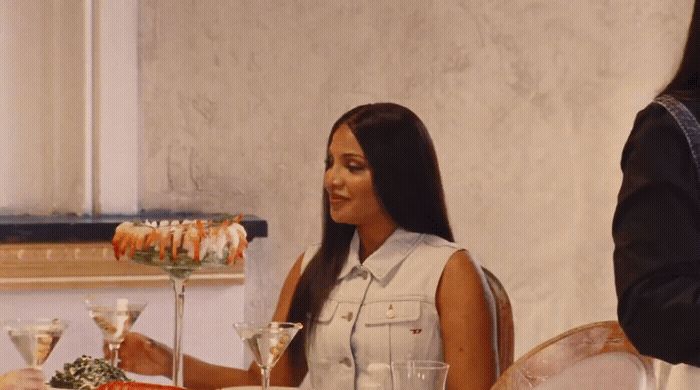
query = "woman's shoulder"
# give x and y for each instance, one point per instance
(655, 135)
(313, 248)
(452, 251)
(437, 241)
(308, 254)
(655, 120)
(651, 118)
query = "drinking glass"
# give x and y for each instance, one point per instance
(115, 317)
(419, 375)
(35, 339)
(267, 342)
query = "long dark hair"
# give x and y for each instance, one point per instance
(406, 178)
(686, 82)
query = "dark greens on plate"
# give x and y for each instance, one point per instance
(86, 373)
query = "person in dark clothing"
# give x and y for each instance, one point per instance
(656, 227)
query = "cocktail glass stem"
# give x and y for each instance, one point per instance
(179, 287)
(113, 353)
(265, 371)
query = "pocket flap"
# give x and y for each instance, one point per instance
(328, 311)
(390, 312)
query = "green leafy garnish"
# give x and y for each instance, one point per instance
(86, 373)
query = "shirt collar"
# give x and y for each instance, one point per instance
(390, 254)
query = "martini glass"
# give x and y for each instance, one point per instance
(35, 339)
(114, 317)
(267, 342)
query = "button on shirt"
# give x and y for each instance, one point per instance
(380, 311)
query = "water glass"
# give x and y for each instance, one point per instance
(419, 375)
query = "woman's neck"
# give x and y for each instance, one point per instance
(373, 235)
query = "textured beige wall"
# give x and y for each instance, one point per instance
(529, 104)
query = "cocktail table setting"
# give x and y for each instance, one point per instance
(178, 247)
(35, 339)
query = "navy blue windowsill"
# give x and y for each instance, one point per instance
(72, 228)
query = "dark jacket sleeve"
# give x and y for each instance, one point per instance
(656, 230)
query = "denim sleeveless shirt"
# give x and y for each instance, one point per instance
(380, 311)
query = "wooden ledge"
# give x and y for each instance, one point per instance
(31, 266)
(69, 251)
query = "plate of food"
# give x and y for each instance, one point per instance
(187, 244)
(180, 248)
(86, 373)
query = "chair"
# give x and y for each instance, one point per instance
(593, 356)
(504, 321)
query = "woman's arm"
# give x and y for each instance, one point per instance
(465, 320)
(656, 229)
(142, 355)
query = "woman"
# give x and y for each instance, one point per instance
(657, 223)
(386, 283)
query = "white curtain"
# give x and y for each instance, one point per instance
(42, 103)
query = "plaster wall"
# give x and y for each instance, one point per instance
(529, 103)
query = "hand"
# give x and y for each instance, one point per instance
(142, 355)
(25, 379)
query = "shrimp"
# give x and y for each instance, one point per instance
(119, 235)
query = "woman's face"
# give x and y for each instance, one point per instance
(348, 181)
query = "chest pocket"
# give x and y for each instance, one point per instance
(328, 357)
(327, 312)
(326, 333)
(409, 326)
